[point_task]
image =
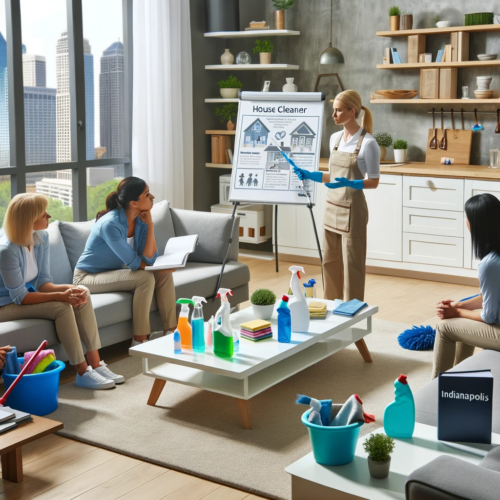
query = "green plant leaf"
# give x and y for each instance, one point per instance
(400, 144)
(263, 297)
(283, 4)
(379, 447)
(263, 46)
(383, 138)
(226, 112)
(394, 11)
(231, 83)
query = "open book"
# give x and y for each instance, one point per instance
(176, 253)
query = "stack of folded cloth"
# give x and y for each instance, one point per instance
(317, 309)
(257, 329)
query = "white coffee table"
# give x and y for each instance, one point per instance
(258, 365)
(353, 481)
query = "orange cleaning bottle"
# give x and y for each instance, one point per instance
(183, 325)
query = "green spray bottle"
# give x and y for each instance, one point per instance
(183, 325)
(223, 331)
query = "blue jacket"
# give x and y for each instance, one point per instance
(13, 268)
(107, 248)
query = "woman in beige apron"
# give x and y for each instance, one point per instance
(354, 166)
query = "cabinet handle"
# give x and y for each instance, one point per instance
(431, 185)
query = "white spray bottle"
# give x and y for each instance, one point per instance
(223, 331)
(298, 304)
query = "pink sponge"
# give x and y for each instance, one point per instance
(42, 360)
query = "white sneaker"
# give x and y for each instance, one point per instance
(92, 379)
(135, 343)
(103, 370)
(156, 335)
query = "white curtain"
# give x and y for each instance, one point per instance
(162, 125)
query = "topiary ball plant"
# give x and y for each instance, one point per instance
(383, 139)
(379, 447)
(263, 297)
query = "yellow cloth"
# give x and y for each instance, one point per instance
(255, 325)
(317, 306)
(40, 367)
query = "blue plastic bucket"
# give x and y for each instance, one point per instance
(332, 445)
(36, 393)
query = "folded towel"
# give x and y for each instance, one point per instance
(256, 324)
(12, 366)
(351, 412)
(324, 409)
(256, 339)
(44, 358)
(350, 308)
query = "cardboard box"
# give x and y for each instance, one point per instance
(416, 46)
(448, 83)
(429, 83)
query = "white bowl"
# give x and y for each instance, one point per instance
(487, 57)
(443, 24)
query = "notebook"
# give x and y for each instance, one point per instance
(6, 415)
(19, 416)
(176, 253)
(7, 426)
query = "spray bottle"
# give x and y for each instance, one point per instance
(183, 325)
(223, 331)
(198, 325)
(309, 290)
(399, 416)
(177, 342)
(209, 341)
(298, 304)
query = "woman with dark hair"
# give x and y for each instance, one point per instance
(474, 322)
(121, 244)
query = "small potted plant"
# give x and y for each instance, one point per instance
(400, 149)
(279, 13)
(394, 16)
(264, 48)
(226, 113)
(441, 24)
(384, 140)
(263, 301)
(379, 448)
(230, 88)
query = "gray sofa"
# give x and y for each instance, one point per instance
(449, 478)
(114, 310)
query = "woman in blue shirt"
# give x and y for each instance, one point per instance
(121, 244)
(474, 322)
(27, 290)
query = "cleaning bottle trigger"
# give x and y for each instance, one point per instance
(183, 325)
(198, 325)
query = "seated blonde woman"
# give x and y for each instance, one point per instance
(27, 290)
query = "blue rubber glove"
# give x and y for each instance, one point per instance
(303, 174)
(344, 182)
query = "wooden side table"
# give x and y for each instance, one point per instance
(12, 441)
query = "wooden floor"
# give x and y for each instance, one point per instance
(60, 468)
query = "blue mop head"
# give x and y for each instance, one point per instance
(418, 338)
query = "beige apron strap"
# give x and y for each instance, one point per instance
(336, 147)
(358, 146)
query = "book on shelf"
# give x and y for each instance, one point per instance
(230, 155)
(176, 253)
(215, 149)
(388, 55)
(257, 29)
(395, 56)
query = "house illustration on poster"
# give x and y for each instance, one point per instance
(302, 138)
(275, 160)
(255, 134)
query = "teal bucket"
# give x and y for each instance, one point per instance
(332, 445)
(36, 393)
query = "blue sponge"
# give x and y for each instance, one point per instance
(418, 338)
(12, 366)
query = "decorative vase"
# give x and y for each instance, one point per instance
(383, 152)
(243, 58)
(279, 19)
(289, 86)
(222, 15)
(406, 22)
(230, 125)
(227, 57)
(400, 155)
(394, 20)
(229, 93)
(443, 24)
(263, 312)
(265, 57)
(379, 470)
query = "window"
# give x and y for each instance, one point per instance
(4, 195)
(57, 186)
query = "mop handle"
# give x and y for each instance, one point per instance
(23, 371)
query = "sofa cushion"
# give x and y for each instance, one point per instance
(28, 334)
(111, 308)
(164, 227)
(75, 235)
(60, 267)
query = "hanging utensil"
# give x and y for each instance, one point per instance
(444, 141)
(497, 130)
(452, 120)
(477, 126)
(463, 123)
(434, 142)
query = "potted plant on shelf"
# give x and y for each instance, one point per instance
(263, 301)
(400, 149)
(279, 13)
(384, 140)
(264, 48)
(394, 15)
(230, 88)
(379, 448)
(226, 113)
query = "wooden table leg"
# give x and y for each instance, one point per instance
(363, 350)
(158, 386)
(244, 413)
(12, 465)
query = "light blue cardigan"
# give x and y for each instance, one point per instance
(13, 267)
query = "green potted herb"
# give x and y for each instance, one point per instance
(226, 113)
(230, 88)
(394, 16)
(264, 48)
(379, 448)
(400, 150)
(279, 13)
(384, 140)
(263, 301)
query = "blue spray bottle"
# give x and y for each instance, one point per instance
(198, 324)
(284, 321)
(399, 416)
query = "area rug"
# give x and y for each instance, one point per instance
(199, 432)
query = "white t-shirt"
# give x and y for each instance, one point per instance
(131, 242)
(31, 265)
(369, 154)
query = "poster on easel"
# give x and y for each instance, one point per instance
(267, 123)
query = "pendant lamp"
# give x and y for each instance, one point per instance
(331, 55)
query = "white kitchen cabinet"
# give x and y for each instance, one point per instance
(432, 249)
(472, 188)
(433, 193)
(438, 222)
(385, 219)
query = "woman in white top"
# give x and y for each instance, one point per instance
(354, 166)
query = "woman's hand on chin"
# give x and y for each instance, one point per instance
(145, 217)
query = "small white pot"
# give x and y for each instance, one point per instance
(400, 155)
(263, 312)
(443, 24)
(229, 93)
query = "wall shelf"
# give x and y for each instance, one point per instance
(219, 165)
(221, 99)
(250, 33)
(462, 64)
(440, 31)
(220, 132)
(241, 67)
(463, 102)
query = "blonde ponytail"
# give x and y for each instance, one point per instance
(351, 99)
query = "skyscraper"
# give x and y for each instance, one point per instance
(4, 106)
(112, 103)
(34, 72)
